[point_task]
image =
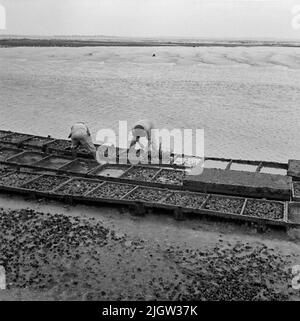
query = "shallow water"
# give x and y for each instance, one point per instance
(246, 99)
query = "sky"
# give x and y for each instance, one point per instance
(255, 19)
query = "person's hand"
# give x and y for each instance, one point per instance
(132, 143)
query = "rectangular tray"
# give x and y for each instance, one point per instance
(5, 186)
(110, 170)
(294, 213)
(73, 181)
(266, 202)
(243, 167)
(238, 217)
(295, 196)
(8, 152)
(294, 168)
(27, 158)
(273, 170)
(58, 144)
(15, 138)
(240, 200)
(38, 141)
(187, 194)
(4, 133)
(209, 163)
(159, 177)
(140, 173)
(54, 162)
(164, 194)
(90, 194)
(82, 166)
(39, 180)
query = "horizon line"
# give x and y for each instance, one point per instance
(218, 39)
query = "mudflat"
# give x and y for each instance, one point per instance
(56, 252)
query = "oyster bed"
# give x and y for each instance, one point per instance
(78, 186)
(46, 183)
(7, 153)
(81, 149)
(59, 257)
(15, 138)
(186, 199)
(3, 133)
(147, 194)
(141, 173)
(111, 190)
(7, 145)
(60, 144)
(17, 179)
(5, 169)
(169, 176)
(225, 204)
(38, 141)
(263, 209)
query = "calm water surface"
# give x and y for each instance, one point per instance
(246, 99)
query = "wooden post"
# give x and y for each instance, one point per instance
(69, 199)
(178, 214)
(139, 209)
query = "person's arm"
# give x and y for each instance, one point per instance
(133, 142)
(70, 135)
(74, 148)
(149, 135)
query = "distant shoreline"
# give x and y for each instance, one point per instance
(27, 42)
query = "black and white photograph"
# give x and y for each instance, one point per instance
(149, 153)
